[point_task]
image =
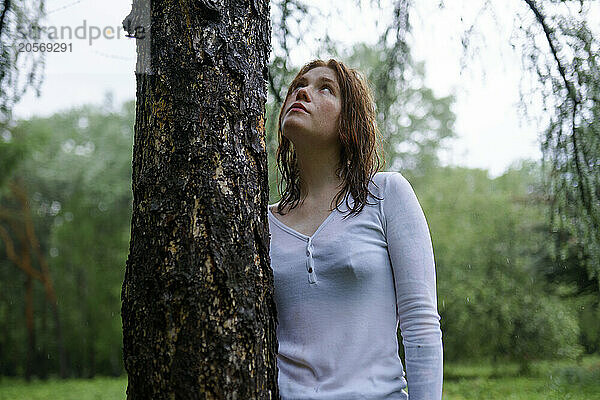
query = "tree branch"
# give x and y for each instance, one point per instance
(45, 278)
(549, 39)
(7, 5)
(12, 256)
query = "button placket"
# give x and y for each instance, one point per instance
(310, 263)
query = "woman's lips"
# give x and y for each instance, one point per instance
(297, 109)
(296, 106)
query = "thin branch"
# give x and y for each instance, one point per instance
(576, 103)
(548, 33)
(7, 5)
(583, 186)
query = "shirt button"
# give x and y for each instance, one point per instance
(307, 252)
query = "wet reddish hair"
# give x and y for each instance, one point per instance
(361, 154)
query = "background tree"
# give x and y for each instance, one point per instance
(25, 257)
(80, 210)
(559, 47)
(487, 238)
(20, 70)
(568, 67)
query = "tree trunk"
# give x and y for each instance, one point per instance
(31, 350)
(43, 363)
(62, 354)
(198, 310)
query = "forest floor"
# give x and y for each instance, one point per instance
(548, 380)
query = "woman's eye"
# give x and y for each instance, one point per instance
(299, 85)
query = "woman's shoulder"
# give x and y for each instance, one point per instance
(389, 179)
(392, 184)
(383, 175)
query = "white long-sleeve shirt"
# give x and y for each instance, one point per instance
(341, 293)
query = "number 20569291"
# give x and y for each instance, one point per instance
(45, 47)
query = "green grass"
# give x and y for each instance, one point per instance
(70, 389)
(517, 389)
(549, 380)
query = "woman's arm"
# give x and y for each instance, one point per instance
(411, 255)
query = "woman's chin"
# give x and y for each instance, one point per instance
(293, 130)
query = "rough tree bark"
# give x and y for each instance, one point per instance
(198, 310)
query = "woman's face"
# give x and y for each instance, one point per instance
(312, 110)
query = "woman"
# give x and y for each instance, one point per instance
(347, 270)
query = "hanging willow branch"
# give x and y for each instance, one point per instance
(19, 70)
(573, 136)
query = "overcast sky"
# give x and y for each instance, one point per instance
(491, 131)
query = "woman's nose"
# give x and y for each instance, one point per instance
(302, 93)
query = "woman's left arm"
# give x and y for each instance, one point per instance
(411, 255)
